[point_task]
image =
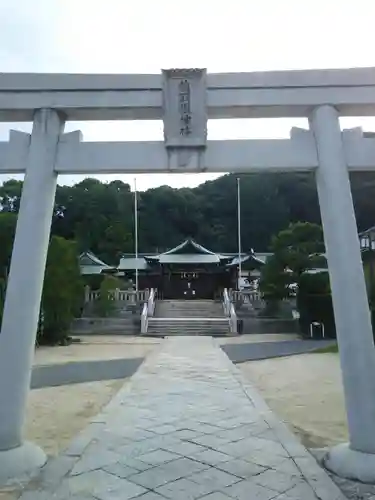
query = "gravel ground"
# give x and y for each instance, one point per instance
(56, 414)
(96, 347)
(306, 392)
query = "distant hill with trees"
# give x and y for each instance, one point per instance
(100, 216)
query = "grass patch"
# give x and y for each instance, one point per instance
(328, 349)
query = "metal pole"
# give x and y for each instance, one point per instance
(136, 234)
(239, 232)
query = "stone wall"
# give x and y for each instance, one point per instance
(106, 326)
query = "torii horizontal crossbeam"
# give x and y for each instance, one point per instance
(229, 95)
(279, 155)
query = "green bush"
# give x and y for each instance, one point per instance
(105, 304)
(93, 280)
(2, 297)
(63, 292)
(314, 303)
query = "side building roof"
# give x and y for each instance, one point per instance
(91, 264)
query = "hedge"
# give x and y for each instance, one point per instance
(314, 303)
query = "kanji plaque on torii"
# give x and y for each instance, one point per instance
(185, 115)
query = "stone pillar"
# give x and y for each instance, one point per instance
(23, 295)
(87, 294)
(350, 303)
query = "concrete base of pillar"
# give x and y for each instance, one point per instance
(20, 464)
(351, 464)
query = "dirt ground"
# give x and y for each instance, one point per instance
(56, 414)
(306, 392)
(96, 347)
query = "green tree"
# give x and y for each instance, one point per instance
(62, 291)
(105, 304)
(2, 297)
(100, 216)
(295, 249)
(8, 223)
(10, 195)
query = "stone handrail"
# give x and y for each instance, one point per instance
(148, 310)
(144, 318)
(151, 302)
(230, 311)
(226, 301)
(130, 296)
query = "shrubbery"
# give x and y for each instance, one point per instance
(105, 304)
(63, 292)
(314, 303)
(2, 297)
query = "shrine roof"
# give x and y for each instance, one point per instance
(189, 252)
(189, 246)
(189, 259)
(90, 264)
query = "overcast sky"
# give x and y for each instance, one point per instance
(143, 36)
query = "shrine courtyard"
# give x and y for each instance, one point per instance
(188, 424)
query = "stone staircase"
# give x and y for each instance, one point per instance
(188, 317)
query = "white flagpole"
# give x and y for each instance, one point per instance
(136, 233)
(239, 232)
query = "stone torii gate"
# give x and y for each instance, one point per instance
(184, 100)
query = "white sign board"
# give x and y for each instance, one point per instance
(185, 110)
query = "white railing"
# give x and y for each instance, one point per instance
(144, 319)
(129, 296)
(151, 302)
(148, 310)
(229, 311)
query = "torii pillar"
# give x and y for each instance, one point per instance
(350, 303)
(23, 295)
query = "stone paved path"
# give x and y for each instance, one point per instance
(187, 427)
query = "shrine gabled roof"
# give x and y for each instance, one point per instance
(89, 259)
(91, 264)
(190, 252)
(189, 258)
(189, 246)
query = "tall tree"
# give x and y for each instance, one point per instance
(100, 216)
(62, 290)
(8, 221)
(295, 249)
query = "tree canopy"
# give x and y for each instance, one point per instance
(100, 216)
(295, 249)
(63, 294)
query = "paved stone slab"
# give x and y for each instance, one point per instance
(187, 427)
